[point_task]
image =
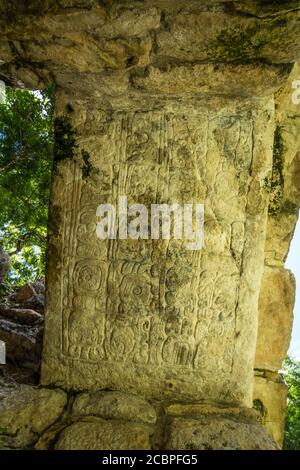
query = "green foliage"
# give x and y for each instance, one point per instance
(277, 181)
(26, 149)
(292, 429)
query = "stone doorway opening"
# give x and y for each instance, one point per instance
(26, 150)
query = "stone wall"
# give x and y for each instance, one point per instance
(174, 315)
(164, 102)
(277, 297)
(40, 418)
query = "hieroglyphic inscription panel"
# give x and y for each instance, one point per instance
(153, 301)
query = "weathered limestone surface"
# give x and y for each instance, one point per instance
(153, 309)
(164, 102)
(118, 49)
(269, 397)
(114, 405)
(215, 428)
(25, 412)
(277, 294)
(97, 434)
(276, 305)
(284, 201)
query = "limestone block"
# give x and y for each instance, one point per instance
(5, 52)
(23, 342)
(281, 226)
(216, 429)
(237, 80)
(269, 398)
(202, 35)
(130, 22)
(98, 434)
(198, 410)
(41, 6)
(280, 232)
(114, 405)
(50, 436)
(25, 293)
(161, 106)
(75, 43)
(184, 321)
(276, 303)
(24, 316)
(25, 412)
(292, 177)
(77, 3)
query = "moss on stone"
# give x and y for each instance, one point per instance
(249, 43)
(285, 69)
(290, 208)
(237, 44)
(65, 139)
(277, 180)
(87, 166)
(259, 407)
(279, 3)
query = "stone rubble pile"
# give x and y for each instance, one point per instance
(21, 329)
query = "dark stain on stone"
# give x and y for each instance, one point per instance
(131, 61)
(54, 220)
(285, 69)
(290, 208)
(87, 166)
(259, 407)
(69, 108)
(277, 180)
(64, 139)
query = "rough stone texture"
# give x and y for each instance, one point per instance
(49, 438)
(164, 102)
(114, 405)
(198, 410)
(23, 343)
(278, 287)
(282, 222)
(270, 399)
(22, 330)
(24, 316)
(183, 320)
(25, 293)
(276, 305)
(25, 412)
(215, 429)
(104, 51)
(98, 434)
